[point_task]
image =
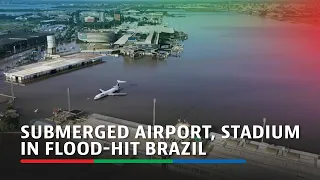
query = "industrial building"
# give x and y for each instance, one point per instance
(101, 17)
(131, 12)
(31, 72)
(18, 41)
(89, 19)
(157, 28)
(128, 25)
(93, 16)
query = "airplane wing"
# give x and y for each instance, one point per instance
(117, 94)
(101, 90)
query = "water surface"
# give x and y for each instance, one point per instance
(235, 69)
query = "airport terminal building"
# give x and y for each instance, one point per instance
(151, 33)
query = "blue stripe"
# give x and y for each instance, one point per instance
(209, 161)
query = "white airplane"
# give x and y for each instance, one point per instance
(114, 91)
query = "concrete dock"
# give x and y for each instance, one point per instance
(264, 161)
(51, 67)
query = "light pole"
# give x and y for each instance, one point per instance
(154, 112)
(264, 125)
(12, 94)
(69, 99)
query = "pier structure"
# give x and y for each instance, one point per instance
(54, 66)
(263, 160)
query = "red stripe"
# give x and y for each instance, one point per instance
(57, 161)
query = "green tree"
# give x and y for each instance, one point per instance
(6, 127)
(9, 121)
(10, 106)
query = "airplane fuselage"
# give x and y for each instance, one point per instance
(114, 91)
(106, 93)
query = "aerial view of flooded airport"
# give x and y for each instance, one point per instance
(201, 63)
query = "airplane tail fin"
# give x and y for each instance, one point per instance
(118, 81)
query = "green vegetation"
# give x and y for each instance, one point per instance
(10, 24)
(129, 19)
(100, 25)
(9, 121)
(106, 25)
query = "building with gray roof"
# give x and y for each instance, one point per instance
(14, 42)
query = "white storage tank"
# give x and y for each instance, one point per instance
(51, 43)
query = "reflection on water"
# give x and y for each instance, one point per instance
(235, 69)
(145, 61)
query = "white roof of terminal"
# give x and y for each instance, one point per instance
(145, 30)
(149, 38)
(158, 29)
(44, 66)
(123, 39)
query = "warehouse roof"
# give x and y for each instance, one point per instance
(158, 29)
(31, 69)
